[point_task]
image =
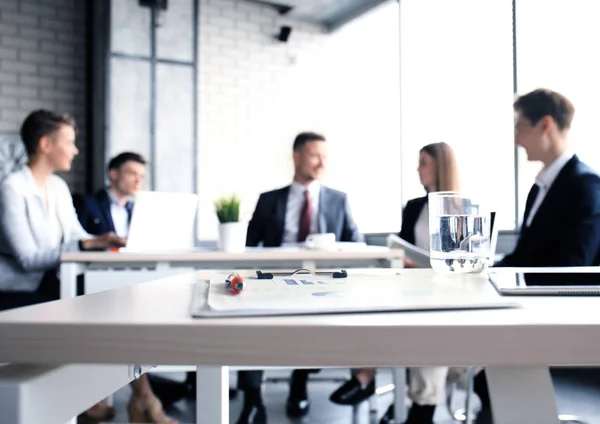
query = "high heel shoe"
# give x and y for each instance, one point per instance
(148, 409)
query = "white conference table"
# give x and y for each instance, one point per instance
(149, 324)
(162, 263)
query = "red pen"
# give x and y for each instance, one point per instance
(235, 283)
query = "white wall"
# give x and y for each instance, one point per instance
(256, 94)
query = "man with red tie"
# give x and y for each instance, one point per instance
(289, 215)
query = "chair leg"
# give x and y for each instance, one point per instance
(470, 377)
(571, 419)
(462, 414)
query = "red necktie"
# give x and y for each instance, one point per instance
(305, 215)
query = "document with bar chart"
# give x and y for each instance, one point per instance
(297, 295)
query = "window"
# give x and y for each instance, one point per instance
(343, 84)
(556, 49)
(457, 87)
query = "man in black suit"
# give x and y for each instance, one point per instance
(561, 224)
(289, 215)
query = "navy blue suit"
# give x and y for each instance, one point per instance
(268, 221)
(93, 212)
(565, 230)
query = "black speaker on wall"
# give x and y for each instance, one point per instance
(155, 4)
(284, 34)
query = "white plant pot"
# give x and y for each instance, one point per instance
(232, 236)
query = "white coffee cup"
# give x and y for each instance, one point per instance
(320, 241)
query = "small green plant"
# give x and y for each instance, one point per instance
(228, 209)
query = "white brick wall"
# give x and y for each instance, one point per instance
(253, 100)
(256, 94)
(42, 65)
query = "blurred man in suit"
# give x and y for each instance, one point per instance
(110, 209)
(289, 215)
(561, 223)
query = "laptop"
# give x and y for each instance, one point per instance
(543, 283)
(163, 222)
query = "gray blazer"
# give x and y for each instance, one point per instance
(26, 252)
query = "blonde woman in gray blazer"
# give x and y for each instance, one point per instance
(37, 218)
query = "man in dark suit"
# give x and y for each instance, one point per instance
(110, 209)
(561, 224)
(289, 215)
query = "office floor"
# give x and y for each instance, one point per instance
(578, 392)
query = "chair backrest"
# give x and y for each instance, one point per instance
(493, 237)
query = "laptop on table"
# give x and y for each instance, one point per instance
(575, 282)
(163, 222)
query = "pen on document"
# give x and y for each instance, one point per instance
(235, 283)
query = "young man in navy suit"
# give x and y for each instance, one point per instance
(289, 215)
(561, 224)
(110, 209)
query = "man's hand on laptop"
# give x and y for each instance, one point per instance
(104, 241)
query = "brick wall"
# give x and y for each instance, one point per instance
(42, 65)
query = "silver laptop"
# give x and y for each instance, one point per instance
(563, 282)
(163, 222)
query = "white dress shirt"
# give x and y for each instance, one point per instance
(119, 214)
(295, 203)
(544, 180)
(54, 235)
(422, 228)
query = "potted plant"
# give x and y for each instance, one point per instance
(232, 232)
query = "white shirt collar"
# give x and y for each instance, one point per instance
(547, 176)
(313, 188)
(113, 198)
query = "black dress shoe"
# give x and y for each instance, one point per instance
(420, 414)
(484, 416)
(167, 390)
(352, 392)
(253, 414)
(297, 408)
(388, 417)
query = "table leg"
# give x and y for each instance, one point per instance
(522, 395)
(399, 375)
(212, 395)
(68, 279)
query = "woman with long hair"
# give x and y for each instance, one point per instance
(438, 171)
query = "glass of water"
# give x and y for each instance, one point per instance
(459, 231)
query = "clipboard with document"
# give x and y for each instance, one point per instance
(313, 293)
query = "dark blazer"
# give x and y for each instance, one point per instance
(268, 221)
(93, 212)
(410, 214)
(566, 228)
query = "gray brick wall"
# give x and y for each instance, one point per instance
(42, 65)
